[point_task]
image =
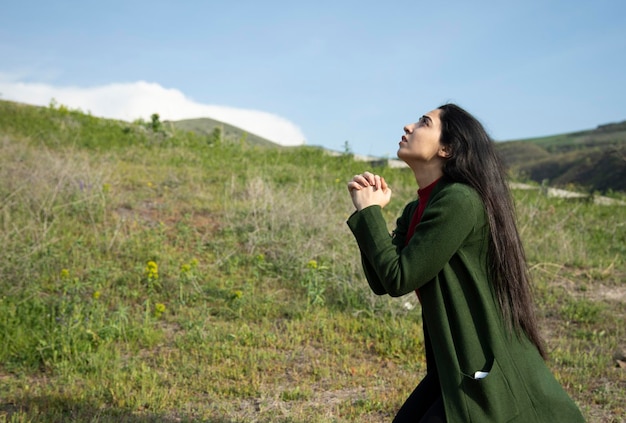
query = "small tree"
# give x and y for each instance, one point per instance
(155, 122)
(347, 149)
(216, 136)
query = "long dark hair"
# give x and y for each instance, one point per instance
(474, 161)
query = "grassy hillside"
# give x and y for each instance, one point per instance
(594, 160)
(154, 276)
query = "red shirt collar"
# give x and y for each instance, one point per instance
(424, 193)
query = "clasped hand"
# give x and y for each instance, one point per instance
(368, 189)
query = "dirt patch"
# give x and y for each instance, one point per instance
(596, 292)
(613, 293)
(154, 213)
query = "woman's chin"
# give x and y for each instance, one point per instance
(401, 153)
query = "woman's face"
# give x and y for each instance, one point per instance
(420, 142)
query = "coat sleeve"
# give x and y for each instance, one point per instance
(448, 220)
(398, 240)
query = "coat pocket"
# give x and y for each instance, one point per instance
(488, 396)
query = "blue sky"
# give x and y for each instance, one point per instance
(336, 71)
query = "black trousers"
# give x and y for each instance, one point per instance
(424, 405)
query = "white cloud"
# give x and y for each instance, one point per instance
(130, 101)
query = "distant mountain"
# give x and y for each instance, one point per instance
(219, 131)
(593, 159)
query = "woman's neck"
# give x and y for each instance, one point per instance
(425, 176)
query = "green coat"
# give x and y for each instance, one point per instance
(447, 260)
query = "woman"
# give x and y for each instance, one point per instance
(458, 247)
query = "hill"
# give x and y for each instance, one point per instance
(219, 131)
(594, 160)
(91, 131)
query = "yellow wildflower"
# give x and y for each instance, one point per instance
(159, 309)
(152, 270)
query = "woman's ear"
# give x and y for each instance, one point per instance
(444, 151)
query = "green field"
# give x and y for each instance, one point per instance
(153, 274)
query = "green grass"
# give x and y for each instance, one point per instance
(157, 276)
